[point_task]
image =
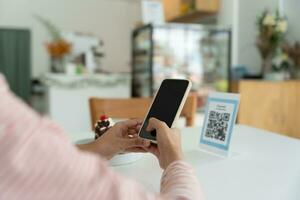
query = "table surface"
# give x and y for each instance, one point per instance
(263, 166)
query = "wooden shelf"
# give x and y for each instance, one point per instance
(195, 16)
(204, 10)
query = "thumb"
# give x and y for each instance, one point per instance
(154, 124)
(134, 142)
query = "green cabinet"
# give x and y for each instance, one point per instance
(15, 60)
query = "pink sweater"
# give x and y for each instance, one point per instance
(37, 161)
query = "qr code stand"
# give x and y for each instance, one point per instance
(217, 126)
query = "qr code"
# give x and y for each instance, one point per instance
(217, 125)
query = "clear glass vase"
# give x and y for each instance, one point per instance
(58, 65)
(266, 66)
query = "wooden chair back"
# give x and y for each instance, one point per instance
(135, 108)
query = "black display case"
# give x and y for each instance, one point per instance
(196, 52)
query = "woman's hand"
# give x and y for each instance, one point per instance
(120, 138)
(168, 147)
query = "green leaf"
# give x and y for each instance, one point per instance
(52, 29)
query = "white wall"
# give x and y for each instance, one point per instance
(228, 17)
(111, 20)
(292, 9)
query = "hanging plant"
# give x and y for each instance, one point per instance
(58, 47)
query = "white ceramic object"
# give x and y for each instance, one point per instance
(277, 76)
(120, 159)
(123, 159)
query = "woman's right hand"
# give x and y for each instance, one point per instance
(168, 147)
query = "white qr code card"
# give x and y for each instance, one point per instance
(220, 116)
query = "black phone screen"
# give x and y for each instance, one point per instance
(165, 104)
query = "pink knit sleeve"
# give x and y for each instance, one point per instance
(37, 161)
(180, 182)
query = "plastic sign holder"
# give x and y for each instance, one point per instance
(220, 117)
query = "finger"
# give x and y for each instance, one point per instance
(135, 118)
(154, 124)
(131, 132)
(138, 128)
(134, 142)
(134, 135)
(131, 122)
(134, 131)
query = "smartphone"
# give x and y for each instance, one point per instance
(167, 104)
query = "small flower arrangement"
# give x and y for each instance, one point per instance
(294, 53)
(58, 48)
(272, 29)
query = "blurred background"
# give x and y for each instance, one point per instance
(57, 54)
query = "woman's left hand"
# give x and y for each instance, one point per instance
(120, 138)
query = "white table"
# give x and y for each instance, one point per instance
(266, 166)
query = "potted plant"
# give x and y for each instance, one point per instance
(272, 29)
(58, 48)
(294, 53)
